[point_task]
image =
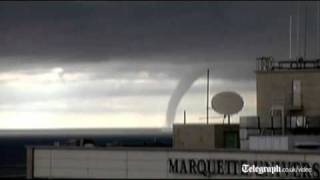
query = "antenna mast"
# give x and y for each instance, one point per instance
(298, 30)
(208, 96)
(305, 34)
(290, 38)
(318, 29)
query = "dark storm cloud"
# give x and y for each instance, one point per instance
(105, 29)
(36, 34)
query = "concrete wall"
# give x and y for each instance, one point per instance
(220, 131)
(272, 143)
(193, 136)
(276, 87)
(283, 143)
(51, 162)
(202, 136)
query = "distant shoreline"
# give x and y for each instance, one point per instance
(81, 132)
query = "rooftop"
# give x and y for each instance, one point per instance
(268, 64)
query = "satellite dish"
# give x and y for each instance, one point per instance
(227, 103)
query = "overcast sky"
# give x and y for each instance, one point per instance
(116, 64)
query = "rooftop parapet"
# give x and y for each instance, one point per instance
(267, 64)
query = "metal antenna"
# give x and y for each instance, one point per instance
(208, 96)
(290, 38)
(318, 29)
(305, 34)
(298, 30)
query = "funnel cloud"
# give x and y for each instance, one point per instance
(183, 86)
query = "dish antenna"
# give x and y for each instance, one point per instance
(227, 103)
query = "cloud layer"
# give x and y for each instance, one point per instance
(121, 61)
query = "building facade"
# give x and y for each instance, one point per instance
(162, 163)
(296, 91)
(288, 90)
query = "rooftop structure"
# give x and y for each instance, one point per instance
(288, 105)
(267, 64)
